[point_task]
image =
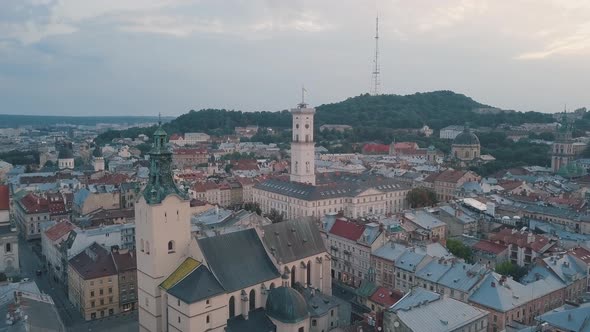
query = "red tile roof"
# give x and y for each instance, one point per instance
(521, 239)
(175, 137)
(59, 230)
(491, 247)
(124, 260)
(581, 253)
(386, 297)
(348, 230)
(4, 197)
(376, 148)
(450, 176)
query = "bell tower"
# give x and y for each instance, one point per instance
(562, 150)
(162, 234)
(302, 144)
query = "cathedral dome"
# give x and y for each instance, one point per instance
(466, 138)
(286, 305)
(65, 153)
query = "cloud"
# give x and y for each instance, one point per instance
(171, 25)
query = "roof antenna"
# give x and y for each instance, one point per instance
(303, 104)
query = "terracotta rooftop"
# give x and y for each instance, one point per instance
(582, 254)
(538, 243)
(491, 247)
(348, 230)
(59, 230)
(386, 297)
(450, 175)
(376, 148)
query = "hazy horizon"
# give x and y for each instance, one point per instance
(141, 57)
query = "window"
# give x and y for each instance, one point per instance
(178, 319)
(101, 301)
(111, 312)
(8, 248)
(332, 312)
(301, 329)
(252, 300)
(91, 293)
(110, 290)
(110, 299)
(100, 291)
(314, 322)
(171, 247)
(178, 302)
(147, 302)
(92, 304)
(232, 307)
(207, 302)
(208, 319)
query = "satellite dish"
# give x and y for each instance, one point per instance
(396, 324)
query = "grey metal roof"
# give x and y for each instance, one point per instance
(415, 297)
(332, 186)
(198, 285)
(433, 271)
(257, 322)
(444, 314)
(568, 318)
(238, 259)
(462, 276)
(409, 260)
(292, 240)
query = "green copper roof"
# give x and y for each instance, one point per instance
(188, 266)
(161, 182)
(285, 304)
(466, 138)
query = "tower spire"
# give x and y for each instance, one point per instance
(302, 104)
(375, 90)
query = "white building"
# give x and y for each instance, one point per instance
(306, 194)
(451, 132)
(196, 138)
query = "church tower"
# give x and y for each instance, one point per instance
(162, 234)
(562, 151)
(302, 145)
(97, 159)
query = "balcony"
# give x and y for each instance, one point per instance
(346, 252)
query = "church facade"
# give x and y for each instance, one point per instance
(273, 278)
(305, 194)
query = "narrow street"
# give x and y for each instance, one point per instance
(30, 262)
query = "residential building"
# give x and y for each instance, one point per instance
(424, 226)
(30, 311)
(189, 157)
(9, 259)
(33, 209)
(489, 253)
(351, 245)
(422, 310)
(450, 277)
(96, 197)
(405, 268)
(445, 184)
(569, 317)
(126, 267)
(51, 240)
(524, 247)
(93, 284)
(335, 127)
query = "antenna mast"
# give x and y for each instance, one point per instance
(376, 69)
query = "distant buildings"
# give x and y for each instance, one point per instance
(189, 139)
(335, 127)
(451, 132)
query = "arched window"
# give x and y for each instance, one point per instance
(293, 276)
(466, 154)
(171, 247)
(8, 247)
(252, 300)
(296, 138)
(232, 307)
(147, 247)
(208, 319)
(272, 285)
(308, 273)
(141, 246)
(306, 138)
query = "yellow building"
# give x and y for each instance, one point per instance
(93, 286)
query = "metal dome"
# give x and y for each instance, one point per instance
(466, 138)
(286, 305)
(65, 153)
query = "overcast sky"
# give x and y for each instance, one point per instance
(141, 57)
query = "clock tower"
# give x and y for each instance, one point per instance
(302, 145)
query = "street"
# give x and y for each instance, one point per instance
(71, 317)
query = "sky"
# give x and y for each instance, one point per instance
(142, 57)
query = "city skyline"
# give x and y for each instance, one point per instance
(144, 57)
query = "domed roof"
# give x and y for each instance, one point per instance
(286, 305)
(65, 153)
(466, 138)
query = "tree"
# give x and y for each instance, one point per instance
(253, 207)
(508, 268)
(421, 197)
(460, 250)
(275, 216)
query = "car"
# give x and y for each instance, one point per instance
(39, 272)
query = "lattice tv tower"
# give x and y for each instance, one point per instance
(375, 89)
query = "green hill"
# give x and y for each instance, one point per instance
(435, 109)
